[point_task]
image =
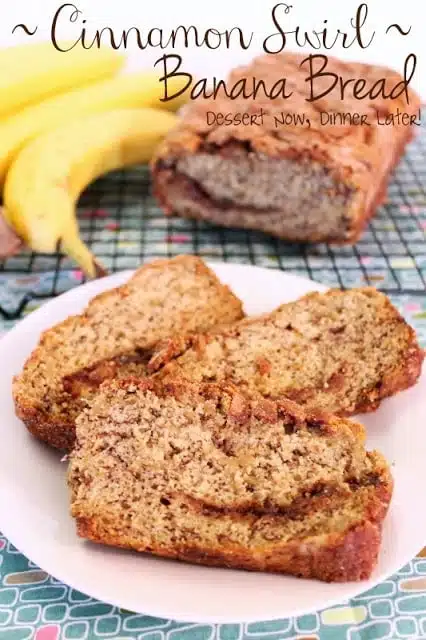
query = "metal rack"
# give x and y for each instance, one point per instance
(122, 223)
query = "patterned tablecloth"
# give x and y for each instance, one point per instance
(391, 255)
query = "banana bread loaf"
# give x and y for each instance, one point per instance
(343, 351)
(319, 179)
(203, 474)
(114, 337)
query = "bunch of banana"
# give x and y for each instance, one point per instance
(55, 141)
(49, 174)
(127, 91)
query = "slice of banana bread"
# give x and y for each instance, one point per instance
(113, 337)
(343, 351)
(204, 474)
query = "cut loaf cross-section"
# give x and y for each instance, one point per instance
(342, 351)
(113, 337)
(204, 474)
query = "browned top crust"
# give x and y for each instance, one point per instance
(116, 331)
(203, 473)
(349, 152)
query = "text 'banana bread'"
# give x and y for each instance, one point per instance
(204, 474)
(300, 169)
(114, 337)
(343, 351)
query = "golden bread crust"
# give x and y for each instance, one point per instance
(114, 336)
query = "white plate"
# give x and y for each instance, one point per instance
(34, 505)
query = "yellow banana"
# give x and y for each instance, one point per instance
(49, 174)
(30, 73)
(127, 91)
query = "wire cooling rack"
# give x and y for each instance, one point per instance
(121, 222)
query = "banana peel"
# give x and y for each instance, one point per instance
(33, 72)
(129, 91)
(47, 177)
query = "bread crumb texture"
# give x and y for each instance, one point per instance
(342, 351)
(203, 473)
(114, 337)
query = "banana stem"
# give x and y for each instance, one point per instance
(77, 250)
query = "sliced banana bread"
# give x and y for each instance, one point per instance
(343, 351)
(113, 337)
(204, 474)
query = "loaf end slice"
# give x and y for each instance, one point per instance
(242, 162)
(202, 473)
(113, 337)
(342, 351)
